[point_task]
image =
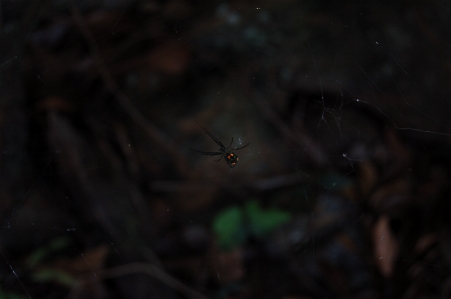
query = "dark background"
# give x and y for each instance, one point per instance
(343, 192)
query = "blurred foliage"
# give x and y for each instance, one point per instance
(39, 255)
(99, 104)
(52, 275)
(235, 224)
(41, 272)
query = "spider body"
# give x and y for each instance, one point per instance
(223, 151)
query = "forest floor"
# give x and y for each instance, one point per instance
(113, 114)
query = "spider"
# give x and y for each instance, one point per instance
(228, 155)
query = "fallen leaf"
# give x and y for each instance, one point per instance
(170, 57)
(88, 262)
(385, 246)
(227, 266)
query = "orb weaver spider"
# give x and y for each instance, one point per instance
(228, 155)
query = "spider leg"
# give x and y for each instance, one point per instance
(218, 159)
(241, 147)
(231, 143)
(207, 153)
(211, 135)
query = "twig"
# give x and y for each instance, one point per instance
(141, 268)
(312, 149)
(124, 101)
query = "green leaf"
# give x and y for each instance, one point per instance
(39, 255)
(36, 257)
(59, 244)
(261, 222)
(54, 275)
(229, 227)
(233, 226)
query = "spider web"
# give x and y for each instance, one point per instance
(346, 106)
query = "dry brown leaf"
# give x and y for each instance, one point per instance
(399, 188)
(227, 267)
(368, 177)
(100, 22)
(385, 246)
(425, 242)
(170, 57)
(55, 103)
(91, 261)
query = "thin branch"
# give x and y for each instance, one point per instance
(311, 148)
(140, 268)
(124, 101)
